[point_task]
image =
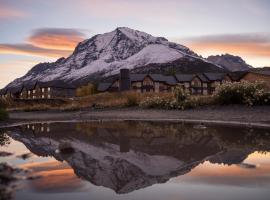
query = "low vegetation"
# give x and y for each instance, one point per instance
(230, 93)
(179, 99)
(3, 112)
(243, 93)
(86, 90)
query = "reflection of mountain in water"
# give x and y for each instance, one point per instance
(126, 156)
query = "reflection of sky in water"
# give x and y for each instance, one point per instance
(250, 180)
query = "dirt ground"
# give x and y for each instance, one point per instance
(244, 115)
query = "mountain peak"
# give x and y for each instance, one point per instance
(105, 54)
(230, 62)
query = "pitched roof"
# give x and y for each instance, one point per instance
(103, 86)
(137, 77)
(15, 90)
(215, 76)
(158, 77)
(203, 78)
(263, 72)
(58, 84)
(184, 77)
(236, 76)
(170, 80)
(3, 91)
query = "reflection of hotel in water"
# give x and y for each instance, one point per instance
(127, 156)
(37, 128)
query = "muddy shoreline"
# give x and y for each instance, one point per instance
(226, 115)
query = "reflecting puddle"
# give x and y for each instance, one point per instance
(139, 160)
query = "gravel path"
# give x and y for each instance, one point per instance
(217, 114)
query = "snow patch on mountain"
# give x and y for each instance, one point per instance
(106, 54)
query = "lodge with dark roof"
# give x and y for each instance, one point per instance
(39, 90)
(203, 83)
(200, 84)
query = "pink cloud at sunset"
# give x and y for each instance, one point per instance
(60, 39)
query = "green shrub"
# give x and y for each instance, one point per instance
(180, 95)
(243, 93)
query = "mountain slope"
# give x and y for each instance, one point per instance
(230, 62)
(104, 54)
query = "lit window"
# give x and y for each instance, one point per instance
(49, 96)
(34, 91)
(29, 92)
(43, 96)
(49, 89)
(43, 89)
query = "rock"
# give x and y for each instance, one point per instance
(25, 156)
(66, 148)
(4, 154)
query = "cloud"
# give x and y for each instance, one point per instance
(48, 42)
(250, 45)
(8, 12)
(56, 38)
(28, 49)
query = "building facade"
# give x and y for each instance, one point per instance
(39, 90)
(257, 76)
(197, 84)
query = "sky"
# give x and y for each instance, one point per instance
(33, 31)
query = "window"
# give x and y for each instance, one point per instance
(34, 91)
(29, 92)
(43, 96)
(49, 89)
(43, 89)
(49, 96)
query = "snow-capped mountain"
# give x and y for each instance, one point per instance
(105, 54)
(230, 62)
(98, 158)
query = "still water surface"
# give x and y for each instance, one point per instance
(139, 160)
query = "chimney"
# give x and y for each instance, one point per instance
(124, 80)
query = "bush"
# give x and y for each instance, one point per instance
(243, 93)
(179, 100)
(132, 99)
(156, 102)
(180, 95)
(86, 90)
